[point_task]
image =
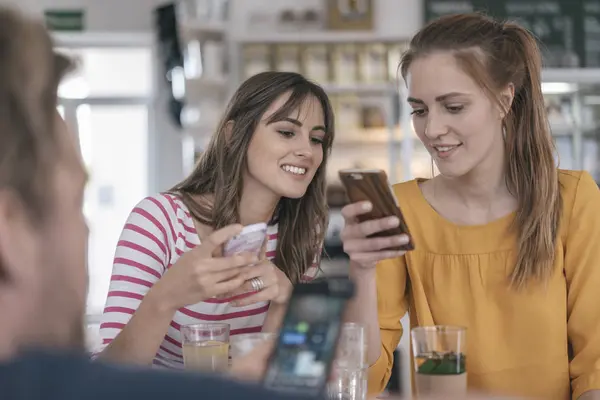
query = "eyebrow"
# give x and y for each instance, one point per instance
(439, 98)
(299, 124)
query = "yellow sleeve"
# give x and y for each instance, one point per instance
(391, 306)
(582, 270)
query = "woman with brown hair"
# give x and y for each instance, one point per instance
(506, 244)
(265, 163)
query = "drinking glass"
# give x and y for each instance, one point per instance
(440, 361)
(349, 371)
(245, 343)
(206, 347)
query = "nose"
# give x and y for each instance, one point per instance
(304, 148)
(435, 126)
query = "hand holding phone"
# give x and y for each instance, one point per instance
(250, 240)
(202, 273)
(377, 233)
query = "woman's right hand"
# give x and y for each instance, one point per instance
(363, 251)
(202, 273)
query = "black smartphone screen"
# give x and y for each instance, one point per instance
(307, 342)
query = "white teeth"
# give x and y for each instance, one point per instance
(446, 148)
(294, 170)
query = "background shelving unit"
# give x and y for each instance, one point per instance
(204, 35)
(357, 70)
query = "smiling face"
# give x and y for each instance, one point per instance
(284, 155)
(458, 123)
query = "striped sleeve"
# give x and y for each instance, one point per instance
(141, 258)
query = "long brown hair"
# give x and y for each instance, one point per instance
(497, 54)
(302, 222)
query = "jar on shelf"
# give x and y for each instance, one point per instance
(315, 62)
(287, 58)
(373, 63)
(256, 59)
(345, 64)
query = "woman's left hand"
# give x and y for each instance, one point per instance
(265, 282)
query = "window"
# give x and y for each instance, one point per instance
(105, 102)
(108, 72)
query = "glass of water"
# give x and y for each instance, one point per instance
(349, 373)
(243, 344)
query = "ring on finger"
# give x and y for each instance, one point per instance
(257, 284)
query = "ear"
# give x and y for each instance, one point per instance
(507, 96)
(228, 130)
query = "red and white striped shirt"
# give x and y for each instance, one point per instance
(158, 231)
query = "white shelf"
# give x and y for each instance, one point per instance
(102, 39)
(199, 28)
(571, 75)
(360, 88)
(207, 83)
(317, 37)
(570, 129)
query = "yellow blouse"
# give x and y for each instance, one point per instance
(518, 343)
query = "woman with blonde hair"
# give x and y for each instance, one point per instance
(506, 244)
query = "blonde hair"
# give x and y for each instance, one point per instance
(510, 56)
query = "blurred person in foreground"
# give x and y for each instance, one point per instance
(43, 238)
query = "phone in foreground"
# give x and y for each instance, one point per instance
(306, 347)
(250, 240)
(372, 185)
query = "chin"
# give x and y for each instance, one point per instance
(452, 171)
(293, 194)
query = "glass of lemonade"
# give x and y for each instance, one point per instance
(440, 361)
(206, 346)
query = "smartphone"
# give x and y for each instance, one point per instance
(306, 347)
(372, 185)
(250, 240)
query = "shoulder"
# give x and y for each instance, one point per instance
(160, 202)
(580, 197)
(163, 207)
(569, 180)
(406, 189)
(576, 186)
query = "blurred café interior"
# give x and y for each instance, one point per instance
(153, 78)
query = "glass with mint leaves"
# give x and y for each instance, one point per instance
(440, 361)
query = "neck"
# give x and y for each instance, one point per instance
(257, 204)
(483, 186)
(8, 348)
